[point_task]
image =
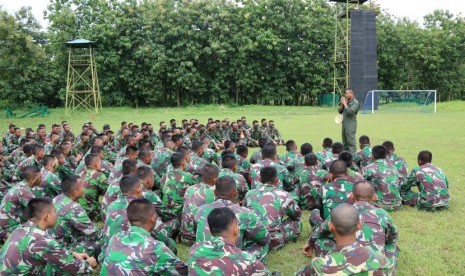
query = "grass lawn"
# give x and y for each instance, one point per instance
(430, 243)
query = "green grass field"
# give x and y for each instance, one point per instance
(430, 243)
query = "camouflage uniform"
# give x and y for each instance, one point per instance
(135, 252)
(161, 160)
(354, 176)
(243, 166)
(377, 230)
(95, 184)
(286, 181)
(241, 184)
(255, 135)
(433, 187)
(112, 193)
(328, 197)
(196, 164)
(274, 135)
(272, 205)
(256, 157)
(290, 157)
(384, 177)
(323, 155)
(327, 162)
(30, 161)
(50, 185)
(353, 259)
(13, 142)
(30, 251)
(211, 156)
(195, 196)
(363, 157)
(310, 178)
(12, 207)
(74, 230)
(401, 166)
(173, 186)
(4, 187)
(219, 257)
(253, 235)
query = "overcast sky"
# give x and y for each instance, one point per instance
(413, 9)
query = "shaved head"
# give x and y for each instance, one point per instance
(345, 219)
(363, 191)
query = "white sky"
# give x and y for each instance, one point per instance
(413, 9)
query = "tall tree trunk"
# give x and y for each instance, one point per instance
(178, 98)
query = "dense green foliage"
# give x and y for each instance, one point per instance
(179, 52)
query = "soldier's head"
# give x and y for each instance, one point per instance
(363, 141)
(27, 149)
(230, 145)
(38, 152)
(168, 143)
(59, 156)
(337, 148)
(145, 155)
(17, 132)
(346, 156)
(311, 159)
(130, 186)
(225, 188)
(378, 152)
(269, 152)
(132, 152)
(269, 175)
(41, 211)
(344, 221)
(128, 167)
(389, 145)
(229, 161)
(177, 139)
(223, 223)
(306, 148)
(72, 186)
(11, 128)
(198, 148)
(424, 157)
(50, 163)
(242, 150)
(262, 142)
(338, 168)
(146, 177)
(97, 150)
(350, 94)
(141, 213)
(363, 191)
(32, 176)
(98, 142)
(264, 123)
(209, 174)
(178, 161)
(186, 152)
(291, 145)
(93, 161)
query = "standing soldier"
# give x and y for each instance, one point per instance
(30, 251)
(272, 205)
(220, 256)
(74, 230)
(349, 109)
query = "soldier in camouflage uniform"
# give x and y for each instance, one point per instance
(235, 134)
(197, 161)
(349, 109)
(332, 194)
(377, 226)
(349, 257)
(161, 158)
(291, 155)
(135, 252)
(273, 205)
(131, 153)
(243, 164)
(286, 180)
(14, 140)
(33, 160)
(74, 230)
(8, 134)
(16, 199)
(229, 164)
(51, 182)
(326, 151)
(397, 161)
(81, 147)
(352, 174)
(174, 184)
(95, 184)
(255, 135)
(41, 136)
(257, 155)
(384, 177)
(336, 148)
(310, 178)
(274, 135)
(196, 196)
(363, 157)
(253, 235)
(432, 184)
(219, 255)
(30, 251)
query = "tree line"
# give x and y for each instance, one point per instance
(180, 52)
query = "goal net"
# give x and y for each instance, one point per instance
(400, 101)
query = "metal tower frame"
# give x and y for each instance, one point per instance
(341, 59)
(82, 87)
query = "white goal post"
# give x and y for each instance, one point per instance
(416, 100)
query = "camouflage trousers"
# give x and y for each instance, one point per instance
(307, 201)
(289, 230)
(255, 249)
(315, 218)
(413, 199)
(165, 232)
(92, 245)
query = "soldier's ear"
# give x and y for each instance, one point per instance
(331, 227)
(352, 197)
(359, 225)
(374, 197)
